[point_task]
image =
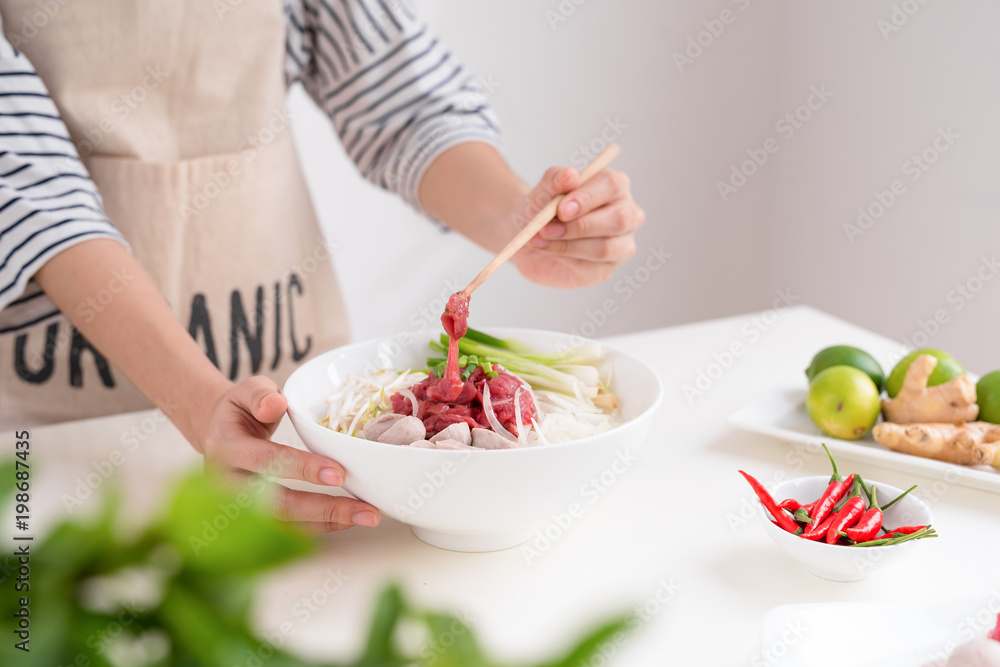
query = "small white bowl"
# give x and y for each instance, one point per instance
(837, 562)
(478, 500)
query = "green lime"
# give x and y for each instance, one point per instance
(946, 369)
(845, 355)
(844, 402)
(988, 397)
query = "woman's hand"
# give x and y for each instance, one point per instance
(236, 436)
(470, 188)
(230, 424)
(593, 233)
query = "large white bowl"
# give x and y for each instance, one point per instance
(461, 500)
(843, 563)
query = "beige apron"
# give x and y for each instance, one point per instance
(178, 109)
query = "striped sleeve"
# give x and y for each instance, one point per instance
(47, 200)
(395, 94)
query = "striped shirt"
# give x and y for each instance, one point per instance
(396, 96)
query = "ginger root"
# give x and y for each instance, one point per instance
(974, 443)
(952, 402)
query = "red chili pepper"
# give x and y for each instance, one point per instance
(851, 487)
(790, 504)
(898, 539)
(995, 634)
(904, 530)
(833, 495)
(817, 531)
(868, 525)
(823, 505)
(781, 516)
(845, 518)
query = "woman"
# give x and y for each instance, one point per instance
(168, 119)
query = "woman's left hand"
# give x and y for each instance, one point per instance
(592, 234)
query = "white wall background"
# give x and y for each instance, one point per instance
(939, 70)
(558, 82)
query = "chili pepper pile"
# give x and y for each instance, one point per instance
(847, 513)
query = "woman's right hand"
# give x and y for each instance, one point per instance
(234, 435)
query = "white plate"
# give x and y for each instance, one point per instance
(782, 413)
(870, 634)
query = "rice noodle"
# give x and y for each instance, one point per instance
(357, 417)
(365, 397)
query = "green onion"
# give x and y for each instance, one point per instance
(565, 372)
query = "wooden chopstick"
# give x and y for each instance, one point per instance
(542, 218)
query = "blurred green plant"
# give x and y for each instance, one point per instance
(178, 593)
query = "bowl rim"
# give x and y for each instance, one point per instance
(650, 411)
(764, 517)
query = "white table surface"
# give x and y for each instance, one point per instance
(665, 527)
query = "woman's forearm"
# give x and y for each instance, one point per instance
(136, 330)
(471, 189)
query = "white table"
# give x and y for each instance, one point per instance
(662, 530)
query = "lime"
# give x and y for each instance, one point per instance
(844, 402)
(845, 355)
(946, 369)
(988, 397)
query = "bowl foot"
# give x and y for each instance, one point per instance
(474, 543)
(844, 577)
